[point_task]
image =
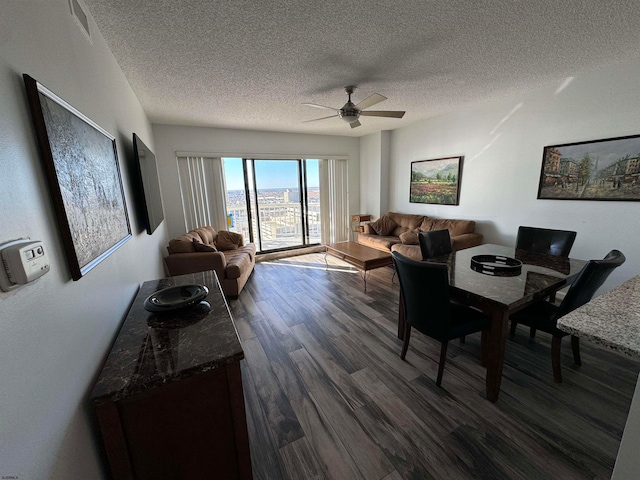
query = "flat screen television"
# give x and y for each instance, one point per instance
(151, 199)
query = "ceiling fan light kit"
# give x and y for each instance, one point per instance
(350, 113)
(349, 116)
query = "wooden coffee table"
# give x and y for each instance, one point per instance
(360, 256)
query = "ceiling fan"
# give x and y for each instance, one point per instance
(350, 112)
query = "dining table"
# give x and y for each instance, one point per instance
(500, 294)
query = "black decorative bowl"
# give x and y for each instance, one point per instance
(496, 265)
(172, 298)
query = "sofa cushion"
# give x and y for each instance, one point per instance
(203, 247)
(380, 242)
(455, 227)
(410, 238)
(206, 234)
(183, 243)
(384, 225)
(228, 240)
(406, 220)
(238, 261)
(410, 251)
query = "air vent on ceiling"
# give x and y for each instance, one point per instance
(79, 14)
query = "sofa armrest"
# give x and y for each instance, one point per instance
(466, 240)
(183, 263)
(369, 230)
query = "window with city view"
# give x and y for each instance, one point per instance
(274, 203)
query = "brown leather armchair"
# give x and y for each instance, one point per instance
(205, 249)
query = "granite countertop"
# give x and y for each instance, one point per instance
(611, 320)
(153, 349)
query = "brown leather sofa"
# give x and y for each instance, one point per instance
(398, 232)
(205, 249)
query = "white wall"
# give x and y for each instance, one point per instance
(55, 333)
(374, 173)
(370, 175)
(225, 142)
(502, 143)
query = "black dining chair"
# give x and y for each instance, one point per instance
(545, 240)
(427, 306)
(544, 315)
(434, 243)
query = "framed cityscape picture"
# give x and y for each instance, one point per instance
(436, 181)
(81, 167)
(607, 169)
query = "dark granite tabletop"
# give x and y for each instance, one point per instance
(153, 349)
(540, 275)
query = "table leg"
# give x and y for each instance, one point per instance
(496, 339)
(364, 277)
(325, 260)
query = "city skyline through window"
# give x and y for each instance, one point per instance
(284, 201)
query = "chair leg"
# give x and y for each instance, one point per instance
(443, 360)
(513, 328)
(532, 333)
(555, 358)
(405, 345)
(575, 346)
(462, 339)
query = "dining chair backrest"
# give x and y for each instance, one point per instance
(588, 281)
(434, 243)
(545, 240)
(425, 292)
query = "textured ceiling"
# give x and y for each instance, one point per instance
(251, 64)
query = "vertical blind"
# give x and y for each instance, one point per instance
(334, 201)
(202, 191)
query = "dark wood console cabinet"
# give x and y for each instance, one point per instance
(169, 400)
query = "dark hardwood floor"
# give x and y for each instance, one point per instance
(327, 396)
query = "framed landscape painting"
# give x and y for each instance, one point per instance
(436, 181)
(606, 169)
(81, 167)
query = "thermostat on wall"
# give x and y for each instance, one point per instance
(23, 261)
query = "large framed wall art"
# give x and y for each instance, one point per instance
(81, 167)
(436, 181)
(607, 169)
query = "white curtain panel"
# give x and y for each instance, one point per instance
(334, 203)
(202, 190)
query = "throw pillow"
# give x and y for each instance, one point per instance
(409, 238)
(228, 240)
(203, 247)
(383, 226)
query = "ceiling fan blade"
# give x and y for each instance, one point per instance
(370, 101)
(316, 119)
(383, 113)
(355, 124)
(315, 105)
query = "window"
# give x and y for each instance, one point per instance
(274, 203)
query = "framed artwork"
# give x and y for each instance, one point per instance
(81, 167)
(436, 181)
(606, 169)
